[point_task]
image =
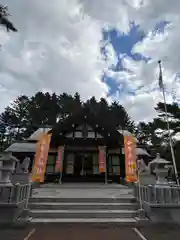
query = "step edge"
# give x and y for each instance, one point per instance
(81, 211)
(82, 203)
(93, 220)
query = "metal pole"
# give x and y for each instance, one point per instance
(139, 186)
(60, 179)
(106, 180)
(169, 132)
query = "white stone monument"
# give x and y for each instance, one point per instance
(160, 167)
(7, 166)
(145, 176)
(25, 164)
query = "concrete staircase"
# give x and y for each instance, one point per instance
(85, 208)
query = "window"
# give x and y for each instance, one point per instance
(69, 135)
(91, 135)
(50, 169)
(51, 162)
(114, 165)
(78, 134)
(51, 159)
(115, 160)
(95, 163)
(70, 163)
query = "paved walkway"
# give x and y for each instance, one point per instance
(161, 232)
(70, 233)
(96, 233)
(88, 191)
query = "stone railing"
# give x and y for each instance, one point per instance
(14, 201)
(161, 204)
(15, 194)
(158, 195)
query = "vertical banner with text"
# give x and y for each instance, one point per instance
(102, 159)
(59, 160)
(41, 156)
(130, 158)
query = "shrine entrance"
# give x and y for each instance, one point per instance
(82, 166)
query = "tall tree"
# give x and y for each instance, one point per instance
(173, 111)
(4, 19)
(15, 116)
(147, 134)
(68, 104)
(92, 104)
(121, 117)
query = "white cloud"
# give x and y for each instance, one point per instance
(141, 77)
(58, 48)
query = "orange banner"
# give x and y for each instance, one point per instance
(102, 159)
(59, 160)
(41, 156)
(130, 158)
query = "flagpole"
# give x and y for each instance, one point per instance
(139, 186)
(168, 125)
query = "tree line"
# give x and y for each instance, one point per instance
(26, 114)
(155, 135)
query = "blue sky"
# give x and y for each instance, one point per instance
(123, 44)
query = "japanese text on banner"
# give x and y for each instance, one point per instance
(102, 159)
(41, 156)
(130, 158)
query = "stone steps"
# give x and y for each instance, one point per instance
(83, 206)
(89, 221)
(82, 213)
(83, 186)
(52, 199)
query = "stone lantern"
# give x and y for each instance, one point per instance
(160, 167)
(7, 167)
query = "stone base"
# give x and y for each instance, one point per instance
(160, 214)
(22, 178)
(146, 178)
(13, 216)
(141, 214)
(23, 220)
(6, 184)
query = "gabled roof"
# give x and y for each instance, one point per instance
(22, 147)
(35, 136)
(28, 147)
(127, 133)
(106, 129)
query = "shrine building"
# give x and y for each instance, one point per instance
(81, 135)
